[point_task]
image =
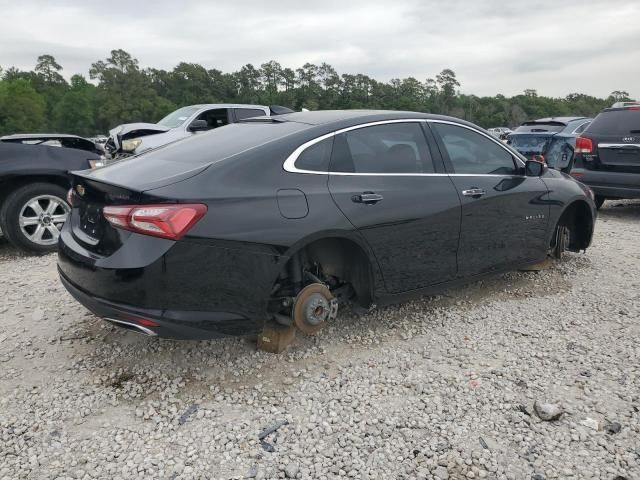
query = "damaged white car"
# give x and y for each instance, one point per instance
(135, 138)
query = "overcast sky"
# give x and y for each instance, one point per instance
(556, 47)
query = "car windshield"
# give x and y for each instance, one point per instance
(177, 118)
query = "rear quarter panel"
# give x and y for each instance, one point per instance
(243, 213)
(18, 159)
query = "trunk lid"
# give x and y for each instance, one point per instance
(88, 226)
(619, 151)
(142, 173)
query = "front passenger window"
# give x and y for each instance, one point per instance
(215, 118)
(472, 153)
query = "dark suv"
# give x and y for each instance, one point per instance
(607, 154)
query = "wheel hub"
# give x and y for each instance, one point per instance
(313, 307)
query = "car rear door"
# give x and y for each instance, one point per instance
(242, 113)
(383, 178)
(504, 213)
(215, 117)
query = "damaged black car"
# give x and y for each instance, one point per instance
(34, 183)
(286, 218)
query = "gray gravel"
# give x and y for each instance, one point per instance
(440, 388)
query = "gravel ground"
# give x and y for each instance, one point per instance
(443, 387)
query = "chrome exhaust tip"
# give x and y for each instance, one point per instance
(133, 326)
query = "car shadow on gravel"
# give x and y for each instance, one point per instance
(620, 209)
(234, 362)
(8, 251)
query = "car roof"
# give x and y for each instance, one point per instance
(225, 105)
(324, 117)
(565, 120)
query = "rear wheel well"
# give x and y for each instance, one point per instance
(577, 217)
(11, 184)
(332, 259)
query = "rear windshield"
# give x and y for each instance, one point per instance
(221, 143)
(615, 122)
(187, 157)
(541, 127)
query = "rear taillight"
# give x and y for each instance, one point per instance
(584, 145)
(633, 108)
(170, 221)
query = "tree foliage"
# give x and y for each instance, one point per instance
(120, 91)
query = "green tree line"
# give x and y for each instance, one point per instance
(120, 91)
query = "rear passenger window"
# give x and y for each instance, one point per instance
(581, 128)
(316, 157)
(387, 148)
(242, 113)
(473, 153)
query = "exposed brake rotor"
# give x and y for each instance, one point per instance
(313, 307)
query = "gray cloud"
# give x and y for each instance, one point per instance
(493, 46)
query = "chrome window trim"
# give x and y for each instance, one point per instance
(289, 163)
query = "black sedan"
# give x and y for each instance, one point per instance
(285, 218)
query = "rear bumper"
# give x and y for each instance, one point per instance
(192, 289)
(170, 324)
(609, 184)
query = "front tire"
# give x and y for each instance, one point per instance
(33, 215)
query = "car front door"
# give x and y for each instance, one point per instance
(504, 212)
(215, 117)
(383, 178)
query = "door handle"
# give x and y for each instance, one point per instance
(473, 192)
(368, 198)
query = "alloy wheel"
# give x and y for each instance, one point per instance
(42, 217)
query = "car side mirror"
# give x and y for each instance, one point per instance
(533, 168)
(199, 126)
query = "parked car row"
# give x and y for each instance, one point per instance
(603, 155)
(500, 132)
